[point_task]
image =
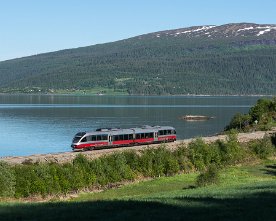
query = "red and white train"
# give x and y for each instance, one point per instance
(115, 137)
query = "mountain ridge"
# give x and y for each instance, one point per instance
(234, 28)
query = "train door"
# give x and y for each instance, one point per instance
(109, 140)
(155, 136)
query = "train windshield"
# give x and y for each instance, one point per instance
(78, 136)
(76, 139)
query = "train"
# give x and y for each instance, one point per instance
(117, 137)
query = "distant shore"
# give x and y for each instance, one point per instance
(148, 95)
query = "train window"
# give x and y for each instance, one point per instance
(169, 132)
(115, 138)
(150, 135)
(130, 136)
(89, 138)
(84, 140)
(126, 137)
(160, 132)
(142, 136)
(104, 137)
(165, 132)
(121, 137)
(93, 138)
(80, 134)
(76, 139)
(174, 132)
(99, 137)
(138, 136)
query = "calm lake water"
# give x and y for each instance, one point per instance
(32, 124)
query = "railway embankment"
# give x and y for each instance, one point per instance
(65, 157)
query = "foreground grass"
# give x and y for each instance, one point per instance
(244, 193)
(234, 181)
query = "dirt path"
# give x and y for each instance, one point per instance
(69, 156)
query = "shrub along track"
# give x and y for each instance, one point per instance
(65, 157)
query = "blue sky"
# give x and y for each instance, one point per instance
(30, 27)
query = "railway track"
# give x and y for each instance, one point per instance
(65, 157)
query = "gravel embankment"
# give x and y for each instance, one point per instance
(69, 156)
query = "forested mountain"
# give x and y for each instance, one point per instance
(228, 59)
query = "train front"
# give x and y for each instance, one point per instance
(76, 141)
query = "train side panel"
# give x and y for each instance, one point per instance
(123, 137)
(91, 145)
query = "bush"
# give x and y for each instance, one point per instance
(27, 182)
(7, 180)
(215, 154)
(48, 179)
(261, 116)
(199, 154)
(132, 160)
(117, 168)
(171, 166)
(262, 148)
(146, 162)
(45, 179)
(262, 107)
(181, 154)
(210, 176)
(98, 168)
(157, 162)
(239, 122)
(81, 160)
(83, 166)
(231, 151)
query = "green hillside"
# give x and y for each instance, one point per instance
(166, 62)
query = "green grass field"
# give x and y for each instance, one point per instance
(244, 193)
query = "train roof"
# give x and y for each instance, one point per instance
(96, 132)
(121, 131)
(144, 130)
(112, 131)
(164, 128)
(115, 131)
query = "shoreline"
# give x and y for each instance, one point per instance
(143, 95)
(65, 157)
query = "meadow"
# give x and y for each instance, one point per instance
(245, 192)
